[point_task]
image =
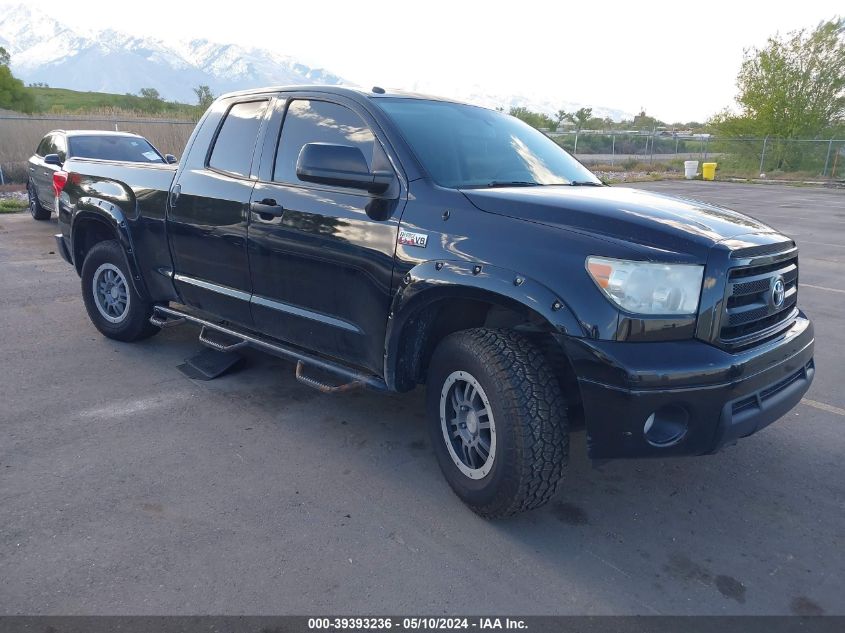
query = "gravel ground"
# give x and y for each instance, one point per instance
(629, 176)
(13, 195)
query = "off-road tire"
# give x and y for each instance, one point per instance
(134, 323)
(37, 211)
(530, 420)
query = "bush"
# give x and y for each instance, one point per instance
(12, 205)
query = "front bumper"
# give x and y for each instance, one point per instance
(709, 396)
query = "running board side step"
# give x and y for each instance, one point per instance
(321, 386)
(220, 346)
(164, 317)
(164, 323)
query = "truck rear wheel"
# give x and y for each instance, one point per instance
(110, 298)
(497, 420)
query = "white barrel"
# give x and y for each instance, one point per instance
(690, 169)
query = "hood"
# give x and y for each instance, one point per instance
(633, 215)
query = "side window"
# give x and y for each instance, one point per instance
(52, 147)
(60, 145)
(43, 146)
(235, 143)
(310, 121)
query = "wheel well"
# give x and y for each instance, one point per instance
(423, 331)
(88, 233)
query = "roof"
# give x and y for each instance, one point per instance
(94, 133)
(340, 90)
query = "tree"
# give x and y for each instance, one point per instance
(580, 117)
(152, 101)
(560, 117)
(534, 119)
(13, 94)
(793, 87)
(644, 121)
(204, 96)
(149, 93)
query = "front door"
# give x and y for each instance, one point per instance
(322, 270)
(208, 216)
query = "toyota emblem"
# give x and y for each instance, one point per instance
(778, 292)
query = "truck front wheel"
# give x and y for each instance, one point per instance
(113, 305)
(497, 420)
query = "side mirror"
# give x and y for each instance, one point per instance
(170, 159)
(341, 166)
(53, 159)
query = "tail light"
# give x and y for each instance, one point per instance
(59, 181)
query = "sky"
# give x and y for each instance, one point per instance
(677, 60)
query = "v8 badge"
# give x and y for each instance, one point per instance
(413, 239)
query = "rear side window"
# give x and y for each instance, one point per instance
(43, 146)
(309, 121)
(48, 145)
(60, 146)
(106, 147)
(236, 140)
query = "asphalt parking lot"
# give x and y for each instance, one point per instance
(127, 488)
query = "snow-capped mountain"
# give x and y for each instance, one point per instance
(44, 49)
(479, 95)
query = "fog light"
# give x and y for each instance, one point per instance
(666, 426)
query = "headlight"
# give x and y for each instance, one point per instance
(648, 287)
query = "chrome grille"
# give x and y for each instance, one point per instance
(750, 314)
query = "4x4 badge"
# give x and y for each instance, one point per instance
(413, 239)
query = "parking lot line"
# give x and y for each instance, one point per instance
(823, 406)
(806, 285)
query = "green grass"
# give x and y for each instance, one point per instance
(9, 205)
(60, 100)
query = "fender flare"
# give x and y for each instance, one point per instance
(90, 209)
(434, 281)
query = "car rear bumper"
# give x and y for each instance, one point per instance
(697, 397)
(61, 247)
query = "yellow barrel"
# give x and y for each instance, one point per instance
(708, 171)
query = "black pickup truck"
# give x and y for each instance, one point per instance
(392, 240)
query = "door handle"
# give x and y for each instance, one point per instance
(267, 209)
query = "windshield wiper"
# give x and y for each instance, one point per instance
(585, 183)
(511, 183)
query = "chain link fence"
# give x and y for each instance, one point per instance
(20, 135)
(770, 157)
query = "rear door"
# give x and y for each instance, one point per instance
(209, 212)
(322, 270)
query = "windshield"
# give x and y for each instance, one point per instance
(123, 148)
(464, 146)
